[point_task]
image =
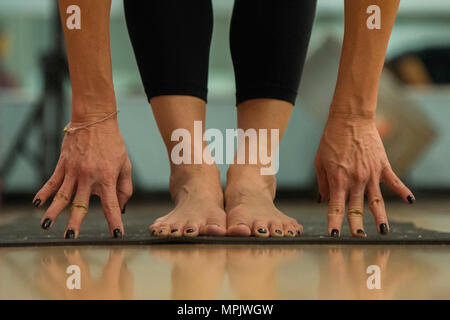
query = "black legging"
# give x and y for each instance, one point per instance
(268, 40)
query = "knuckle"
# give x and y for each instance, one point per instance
(360, 176)
(86, 169)
(335, 210)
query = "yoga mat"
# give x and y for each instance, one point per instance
(25, 232)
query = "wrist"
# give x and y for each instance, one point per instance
(97, 121)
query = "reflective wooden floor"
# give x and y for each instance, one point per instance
(236, 271)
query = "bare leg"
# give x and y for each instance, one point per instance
(249, 195)
(195, 188)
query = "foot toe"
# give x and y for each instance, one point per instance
(176, 230)
(240, 229)
(276, 230)
(213, 229)
(260, 229)
(190, 230)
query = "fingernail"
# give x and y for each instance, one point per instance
(278, 231)
(37, 202)
(290, 232)
(117, 233)
(262, 230)
(124, 208)
(46, 224)
(334, 233)
(70, 234)
(383, 228)
(361, 233)
(173, 230)
(190, 230)
(319, 198)
(410, 199)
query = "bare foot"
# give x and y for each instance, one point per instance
(198, 198)
(249, 205)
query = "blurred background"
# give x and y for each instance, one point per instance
(413, 114)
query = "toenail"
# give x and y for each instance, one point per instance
(290, 232)
(335, 233)
(173, 230)
(361, 233)
(299, 233)
(161, 231)
(278, 231)
(153, 232)
(189, 230)
(262, 230)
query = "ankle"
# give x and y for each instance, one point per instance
(245, 180)
(195, 178)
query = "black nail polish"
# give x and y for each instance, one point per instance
(334, 233)
(290, 232)
(46, 224)
(124, 209)
(299, 233)
(410, 199)
(173, 230)
(262, 230)
(190, 230)
(37, 202)
(319, 198)
(117, 233)
(361, 233)
(70, 234)
(383, 228)
(153, 232)
(278, 231)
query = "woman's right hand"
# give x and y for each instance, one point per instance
(93, 160)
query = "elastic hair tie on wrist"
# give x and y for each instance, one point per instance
(68, 129)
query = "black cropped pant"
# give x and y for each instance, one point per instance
(268, 41)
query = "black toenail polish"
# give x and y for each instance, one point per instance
(37, 202)
(334, 233)
(190, 230)
(161, 231)
(383, 228)
(319, 198)
(117, 233)
(262, 230)
(46, 224)
(410, 199)
(124, 209)
(278, 231)
(173, 230)
(290, 232)
(70, 234)
(361, 233)
(299, 233)
(153, 232)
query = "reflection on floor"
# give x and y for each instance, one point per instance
(237, 271)
(226, 272)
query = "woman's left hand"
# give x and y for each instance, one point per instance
(351, 162)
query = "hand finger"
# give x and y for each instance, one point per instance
(376, 206)
(390, 179)
(124, 186)
(79, 209)
(51, 186)
(60, 201)
(355, 211)
(336, 209)
(322, 183)
(111, 209)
